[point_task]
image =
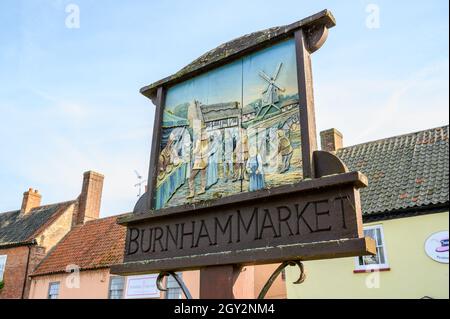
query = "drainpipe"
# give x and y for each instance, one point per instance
(33, 242)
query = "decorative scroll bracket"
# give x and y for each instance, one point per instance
(277, 272)
(179, 281)
(316, 35)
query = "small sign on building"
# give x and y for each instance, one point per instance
(436, 247)
(141, 287)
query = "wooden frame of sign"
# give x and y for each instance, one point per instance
(316, 218)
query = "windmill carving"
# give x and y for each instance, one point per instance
(270, 94)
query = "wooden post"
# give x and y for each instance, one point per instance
(216, 282)
(154, 155)
(306, 103)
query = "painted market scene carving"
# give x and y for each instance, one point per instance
(235, 129)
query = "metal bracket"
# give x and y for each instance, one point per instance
(179, 281)
(275, 274)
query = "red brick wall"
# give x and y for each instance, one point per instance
(14, 274)
(15, 270)
(37, 254)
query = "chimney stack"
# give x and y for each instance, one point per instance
(90, 197)
(331, 140)
(31, 199)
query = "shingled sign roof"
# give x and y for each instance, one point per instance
(404, 172)
(96, 244)
(230, 50)
(16, 228)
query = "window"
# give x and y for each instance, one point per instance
(116, 284)
(379, 261)
(173, 289)
(53, 290)
(2, 266)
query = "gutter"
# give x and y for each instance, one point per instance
(18, 244)
(406, 212)
(56, 272)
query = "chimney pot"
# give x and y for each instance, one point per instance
(90, 197)
(31, 199)
(331, 140)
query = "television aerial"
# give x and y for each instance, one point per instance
(139, 183)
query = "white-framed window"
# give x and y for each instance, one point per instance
(173, 289)
(53, 290)
(380, 260)
(2, 266)
(116, 284)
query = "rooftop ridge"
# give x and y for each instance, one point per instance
(103, 219)
(396, 137)
(46, 206)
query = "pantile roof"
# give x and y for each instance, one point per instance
(96, 244)
(404, 171)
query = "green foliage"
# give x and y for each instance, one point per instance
(2, 284)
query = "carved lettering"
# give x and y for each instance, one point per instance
(284, 219)
(299, 219)
(218, 225)
(143, 237)
(174, 238)
(318, 214)
(133, 239)
(247, 227)
(191, 233)
(268, 225)
(203, 233)
(341, 201)
(157, 235)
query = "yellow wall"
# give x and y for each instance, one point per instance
(412, 273)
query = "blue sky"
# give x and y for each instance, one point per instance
(70, 102)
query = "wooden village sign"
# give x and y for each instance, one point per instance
(235, 175)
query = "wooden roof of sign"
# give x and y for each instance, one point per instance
(233, 49)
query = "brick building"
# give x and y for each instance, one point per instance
(78, 267)
(28, 234)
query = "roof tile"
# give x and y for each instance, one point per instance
(404, 171)
(96, 244)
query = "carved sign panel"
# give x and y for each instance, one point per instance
(265, 228)
(233, 129)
